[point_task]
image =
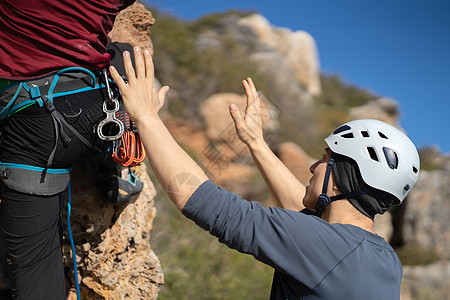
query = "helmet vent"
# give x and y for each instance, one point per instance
(342, 128)
(407, 187)
(373, 153)
(365, 133)
(391, 158)
(415, 170)
(382, 135)
(348, 135)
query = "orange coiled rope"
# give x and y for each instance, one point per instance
(128, 150)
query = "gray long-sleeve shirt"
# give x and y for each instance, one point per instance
(312, 258)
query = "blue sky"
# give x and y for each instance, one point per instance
(398, 49)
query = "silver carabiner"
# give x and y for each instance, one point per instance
(108, 89)
(110, 118)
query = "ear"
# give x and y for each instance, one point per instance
(334, 189)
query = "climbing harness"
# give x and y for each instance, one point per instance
(41, 92)
(38, 180)
(29, 179)
(127, 148)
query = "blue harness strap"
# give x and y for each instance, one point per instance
(72, 244)
(7, 109)
(34, 168)
(51, 95)
(36, 96)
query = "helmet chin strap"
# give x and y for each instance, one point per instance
(324, 199)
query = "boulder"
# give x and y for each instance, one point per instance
(133, 26)
(299, 49)
(426, 282)
(220, 126)
(296, 160)
(383, 109)
(426, 220)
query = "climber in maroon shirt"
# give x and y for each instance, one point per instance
(37, 39)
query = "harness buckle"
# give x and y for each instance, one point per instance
(35, 92)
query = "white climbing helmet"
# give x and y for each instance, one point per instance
(386, 157)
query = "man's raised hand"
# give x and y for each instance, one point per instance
(249, 128)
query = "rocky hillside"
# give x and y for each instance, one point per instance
(204, 61)
(301, 106)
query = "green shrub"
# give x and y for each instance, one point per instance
(337, 93)
(415, 255)
(430, 158)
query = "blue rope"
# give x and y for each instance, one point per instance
(74, 256)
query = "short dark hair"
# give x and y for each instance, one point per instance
(348, 179)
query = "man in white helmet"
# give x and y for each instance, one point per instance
(331, 253)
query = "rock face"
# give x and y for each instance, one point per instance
(115, 259)
(133, 26)
(427, 216)
(277, 51)
(426, 224)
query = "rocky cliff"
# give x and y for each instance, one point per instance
(298, 48)
(114, 255)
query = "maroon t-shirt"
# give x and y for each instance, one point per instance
(39, 37)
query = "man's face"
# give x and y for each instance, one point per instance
(314, 189)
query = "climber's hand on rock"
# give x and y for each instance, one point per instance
(139, 95)
(249, 128)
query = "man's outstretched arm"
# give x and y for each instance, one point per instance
(177, 173)
(286, 189)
